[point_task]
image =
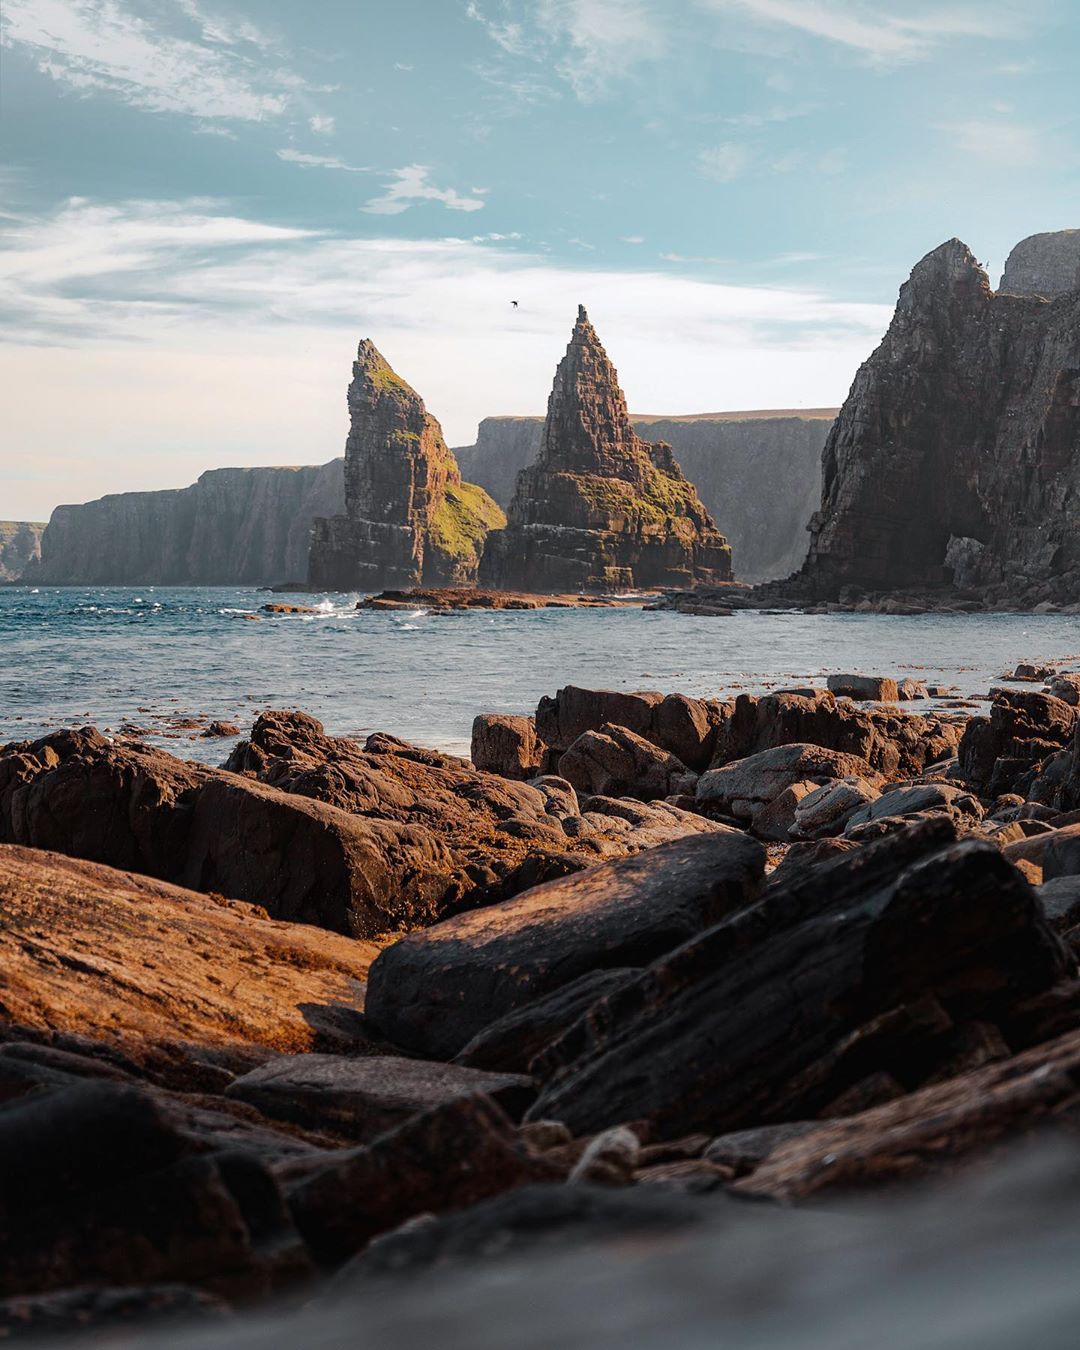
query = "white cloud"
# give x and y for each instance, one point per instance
(142, 303)
(861, 25)
(725, 162)
(104, 46)
(410, 185)
(633, 238)
(1007, 144)
(306, 161)
(322, 126)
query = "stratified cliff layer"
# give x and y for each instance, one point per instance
(956, 458)
(601, 508)
(238, 527)
(20, 547)
(758, 473)
(409, 519)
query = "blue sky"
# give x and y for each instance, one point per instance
(208, 202)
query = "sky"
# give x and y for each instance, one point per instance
(206, 204)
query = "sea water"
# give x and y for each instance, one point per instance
(159, 659)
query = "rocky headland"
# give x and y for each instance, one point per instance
(20, 547)
(338, 1018)
(950, 475)
(601, 509)
(233, 527)
(758, 473)
(409, 519)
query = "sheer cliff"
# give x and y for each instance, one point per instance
(232, 527)
(956, 458)
(20, 547)
(758, 473)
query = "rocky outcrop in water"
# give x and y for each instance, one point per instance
(956, 458)
(233, 527)
(409, 519)
(20, 547)
(601, 508)
(758, 473)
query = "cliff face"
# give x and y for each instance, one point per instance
(961, 436)
(758, 474)
(1044, 264)
(408, 519)
(232, 527)
(20, 547)
(601, 508)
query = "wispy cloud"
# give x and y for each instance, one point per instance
(1008, 144)
(874, 32)
(590, 44)
(305, 161)
(725, 162)
(410, 185)
(105, 46)
(322, 126)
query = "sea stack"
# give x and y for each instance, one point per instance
(955, 461)
(409, 519)
(601, 509)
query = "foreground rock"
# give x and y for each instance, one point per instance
(601, 509)
(91, 950)
(409, 519)
(435, 990)
(357, 840)
(862, 965)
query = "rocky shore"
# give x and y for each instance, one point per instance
(330, 1021)
(444, 599)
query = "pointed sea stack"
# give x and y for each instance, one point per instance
(409, 519)
(955, 461)
(601, 509)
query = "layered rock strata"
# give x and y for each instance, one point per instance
(233, 527)
(757, 473)
(955, 460)
(20, 547)
(409, 519)
(601, 509)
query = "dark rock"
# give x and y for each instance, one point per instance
(615, 762)
(361, 1098)
(433, 991)
(870, 688)
(450, 1157)
(917, 800)
(718, 1034)
(744, 1150)
(1060, 901)
(409, 519)
(71, 1312)
(509, 1044)
(685, 727)
(601, 509)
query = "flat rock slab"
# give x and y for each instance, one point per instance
(433, 991)
(362, 1098)
(86, 948)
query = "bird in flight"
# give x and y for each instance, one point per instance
(514, 303)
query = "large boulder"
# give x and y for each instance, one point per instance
(857, 967)
(1005, 751)
(505, 745)
(746, 786)
(615, 762)
(436, 989)
(91, 950)
(685, 727)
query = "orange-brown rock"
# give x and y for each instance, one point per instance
(92, 950)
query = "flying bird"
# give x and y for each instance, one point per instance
(514, 303)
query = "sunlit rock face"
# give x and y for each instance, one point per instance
(1044, 264)
(409, 519)
(963, 424)
(600, 508)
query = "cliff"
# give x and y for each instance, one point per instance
(1044, 264)
(20, 547)
(956, 457)
(409, 519)
(758, 473)
(601, 508)
(242, 527)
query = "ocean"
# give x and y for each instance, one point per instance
(162, 660)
